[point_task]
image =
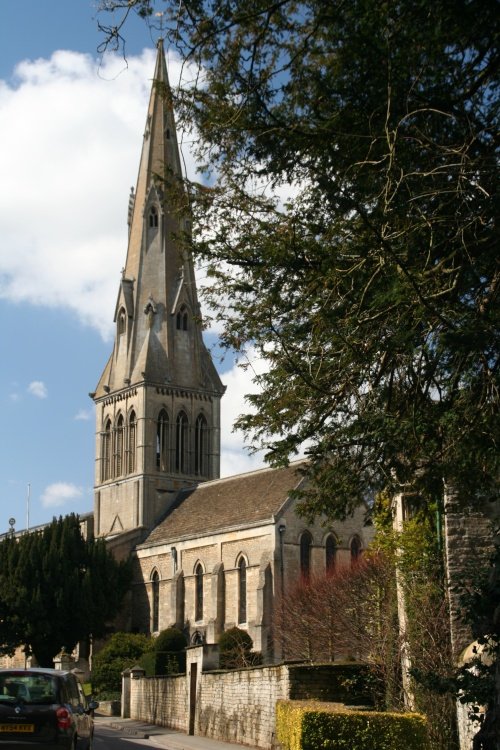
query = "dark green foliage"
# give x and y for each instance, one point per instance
(56, 589)
(373, 292)
(121, 651)
(169, 655)
(235, 649)
(170, 639)
(302, 726)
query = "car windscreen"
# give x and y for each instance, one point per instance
(28, 688)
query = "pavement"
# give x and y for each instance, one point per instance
(164, 736)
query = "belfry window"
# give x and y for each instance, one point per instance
(242, 590)
(131, 444)
(162, 430)
(118, 447)
(155, 602)
(153, 217)
(106, 452)
(182, 319)
(201, 447)
(305, 555)
(198, 575)
(181, 443)
(330, 554)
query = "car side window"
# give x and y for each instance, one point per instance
(72, 690)
(81, 695)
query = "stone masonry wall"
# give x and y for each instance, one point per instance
(240, 706)
(162, 701)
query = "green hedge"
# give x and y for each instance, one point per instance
(163, 662)
(306, 726)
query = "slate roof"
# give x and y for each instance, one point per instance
(244, 499)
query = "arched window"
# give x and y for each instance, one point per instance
(330, 553)
(305, 555)
(355, 549)
(106, 451)
(181, 443)
(153, 217)
(242, 590)
(118, 447)
(182, 319)
(201, 447)
(122, 321)
(162, 442)
(131, 445)
(155, 602)
(198, 607)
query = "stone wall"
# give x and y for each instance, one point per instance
(236, 706)
(160, 700)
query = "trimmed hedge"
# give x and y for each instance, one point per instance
(307, 726)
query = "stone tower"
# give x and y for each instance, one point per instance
(158, 399)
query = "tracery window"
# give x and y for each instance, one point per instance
(198, 573)
(118, 447)
(181, 443)
(155, 603)
(242, 590)
(106, 452)
(153, 217)
(162, 441)
(201, 447)
(305, 555)
(132, 440)
(330, 553)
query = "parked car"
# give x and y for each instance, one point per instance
(44, 708)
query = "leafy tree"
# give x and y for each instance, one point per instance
(372, 293)
(121, 651)
(372, 290)
(235, 648)
(57, 588)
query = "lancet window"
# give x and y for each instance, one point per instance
(182, 319)
(305, 555)
(201, 447)
(198, 574)
(131, 442)
(106, 451)
(162, 441)
(118, 447)
(181, 443)
(155, 602)
(242, 590)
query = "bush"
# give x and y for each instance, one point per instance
(306, 726)
(168, 655)
(121, 651)
(235, 648)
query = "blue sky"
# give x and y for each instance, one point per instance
(71, 130)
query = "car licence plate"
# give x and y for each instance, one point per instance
(17, 727)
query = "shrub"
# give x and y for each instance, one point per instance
(121, 651)
(306, 726)
(235, 648)
(168, 655)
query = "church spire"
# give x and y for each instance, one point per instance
(159, 370)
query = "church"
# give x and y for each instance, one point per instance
(208, 553)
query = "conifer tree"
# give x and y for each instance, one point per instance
(57, 588)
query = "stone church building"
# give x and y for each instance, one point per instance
(208, 553)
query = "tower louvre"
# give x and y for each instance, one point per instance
(158, 398)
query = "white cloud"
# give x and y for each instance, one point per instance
(70, 148)
(38, 389)
(84, 415)
(239, 383)
(59, 494)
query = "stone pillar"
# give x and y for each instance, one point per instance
(125, 709)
